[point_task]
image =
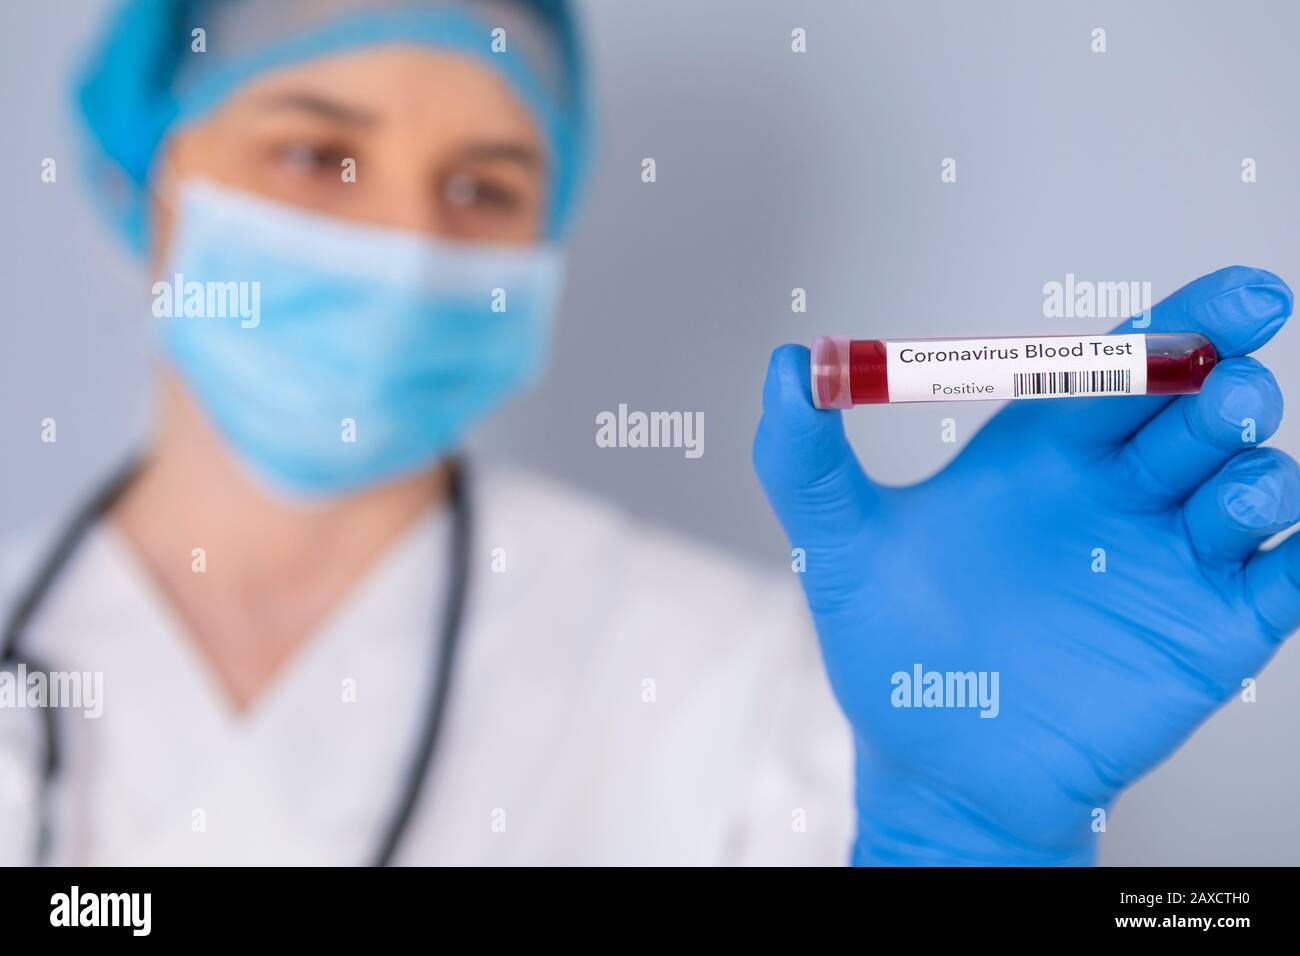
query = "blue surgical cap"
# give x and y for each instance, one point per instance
(145, 77)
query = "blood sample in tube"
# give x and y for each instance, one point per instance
(848, 372)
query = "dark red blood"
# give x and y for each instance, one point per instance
(868, 374)
(1180, 373)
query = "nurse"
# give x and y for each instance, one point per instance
(325, 640)
(322, 640)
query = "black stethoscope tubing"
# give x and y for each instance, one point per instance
(37, 590)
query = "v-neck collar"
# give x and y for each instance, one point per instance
(170, 742)
(368, 601)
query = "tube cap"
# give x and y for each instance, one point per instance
(830, 372)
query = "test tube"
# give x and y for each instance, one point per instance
(848, 372)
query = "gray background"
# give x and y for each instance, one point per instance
(779, 170)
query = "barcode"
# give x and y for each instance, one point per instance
(1100, 382)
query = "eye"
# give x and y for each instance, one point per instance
(311, 159)
(466, 191)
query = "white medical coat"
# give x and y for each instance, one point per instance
(620, 697)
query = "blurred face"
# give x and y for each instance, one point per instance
(440, 146)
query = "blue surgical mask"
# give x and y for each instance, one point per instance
(334, 356)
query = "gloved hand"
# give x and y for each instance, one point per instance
(995, 565)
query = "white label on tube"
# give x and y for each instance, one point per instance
(1051, 366)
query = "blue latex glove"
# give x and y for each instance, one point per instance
(990, 566)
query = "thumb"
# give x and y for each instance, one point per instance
(811, 476)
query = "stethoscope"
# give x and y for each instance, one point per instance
(39, 585)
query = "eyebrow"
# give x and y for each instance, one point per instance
(320, 106)
(326, 108)
(513, 152)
